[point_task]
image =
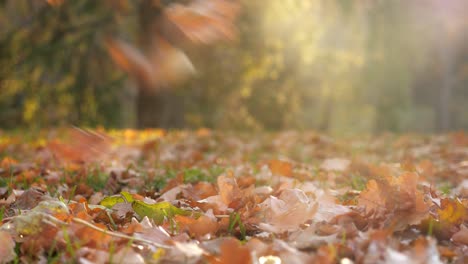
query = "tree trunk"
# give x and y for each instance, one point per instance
(447, 53)
(156, 106)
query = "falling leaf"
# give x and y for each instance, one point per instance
(164, 62)
(82, 146)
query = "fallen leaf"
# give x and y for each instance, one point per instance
(281, 167)
(461, 237)
(7, 247)
(335, 164)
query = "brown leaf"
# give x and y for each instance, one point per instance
(395, 198)
(28, 199)
(335, 164)
(281, 167)
(287, 211)
(198, 227)
(232, 252)
(7, 247)
(228, 189)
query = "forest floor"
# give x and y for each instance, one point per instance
(217, 197)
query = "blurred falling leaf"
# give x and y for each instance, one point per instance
(55, 2)
(82, 146)
(201, 21)
(164, 62)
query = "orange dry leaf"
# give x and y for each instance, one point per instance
(7, 163)
(40, 242)
(371, 198)
(452, 212)
(287, 211)
(449, 216)
(197, 227)
(228, 189)
(281, 167)
(7, 247)
(396, 198)
(203, 190)
(91, 237)
(461, 237)
(232, 252)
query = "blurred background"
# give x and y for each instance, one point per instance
(338, 66)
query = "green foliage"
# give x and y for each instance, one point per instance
(161, 181)
(96, 179)
(54, 69)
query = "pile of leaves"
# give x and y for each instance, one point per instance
(215, 197)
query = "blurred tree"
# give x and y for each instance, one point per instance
(338, 66)
(54, 70)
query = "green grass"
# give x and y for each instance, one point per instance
(446, 188)
(358, 183)
(96, 179)
(235, 221)
(193, 175)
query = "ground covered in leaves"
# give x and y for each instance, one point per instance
(213, 197)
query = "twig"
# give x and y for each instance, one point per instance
(50, 219)
(119, 235)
